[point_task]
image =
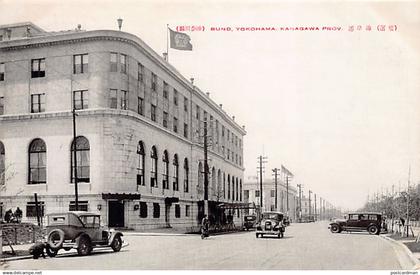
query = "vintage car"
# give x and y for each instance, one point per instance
(249, 221)
(271, 224)
(366, 221)
(79, 230)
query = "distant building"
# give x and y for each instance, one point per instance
(139, 126)
(252, 195)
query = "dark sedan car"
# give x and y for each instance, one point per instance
(366, 221)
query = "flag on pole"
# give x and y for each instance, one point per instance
(180, 41)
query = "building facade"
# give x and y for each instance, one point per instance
(252, 194)
(139, 128)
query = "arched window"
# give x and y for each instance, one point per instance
(224, 185)
(186, 176)
(228, 191)
(213, 182)
(140, 163)
(83, 160)
(233, 188)
(240, 189)
(153, 171)
(165, 180)
(176, 173)
(237, 189)
(200, 178)
(2, 165)
(37, 162)
(219, 191)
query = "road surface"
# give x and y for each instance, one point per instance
(305, 247)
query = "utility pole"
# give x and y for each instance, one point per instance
(300, 202)
(76, 191)
(288, 174)
(275, 170)
(315, 207)
(408, 198)
(261, 161)
(320, 208)
(310, 203)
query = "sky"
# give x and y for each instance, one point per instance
(339, 109)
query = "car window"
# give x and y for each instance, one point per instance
(373, 217)
(272, 216)
(354, 217)
(363, 217)
(90, 221)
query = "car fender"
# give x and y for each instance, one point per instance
(114, 234)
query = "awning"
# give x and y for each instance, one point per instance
(120, 196)
(239, 205)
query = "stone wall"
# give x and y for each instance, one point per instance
(21, 233)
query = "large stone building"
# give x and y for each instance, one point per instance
(285, 192)
(139, 131)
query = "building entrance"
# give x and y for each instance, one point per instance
(116, 214)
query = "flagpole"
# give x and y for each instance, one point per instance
(167, 42)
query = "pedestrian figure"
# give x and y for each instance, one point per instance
(18, 215)
(8, 216)
(205, 227)
(402, 221)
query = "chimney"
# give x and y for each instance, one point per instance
(221, 106)
(165, 56)
(120, 21)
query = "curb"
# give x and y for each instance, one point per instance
(415, 263)
(125, 244)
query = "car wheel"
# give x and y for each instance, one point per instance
(55, 239)
(373, 230)
(116, 244)
(335, 228)
(257, 235)
(51, 252)
(85, 247)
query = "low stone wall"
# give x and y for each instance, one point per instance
(21, 233)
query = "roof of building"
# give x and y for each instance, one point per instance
(77, 35)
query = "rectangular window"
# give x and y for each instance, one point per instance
(38, 103)
(175, 125)
(38, 67)
(113, 99)
(140, 73)
(2, 105)
(140, 106)
(257, 193)
(228, 154)
(31, 209)
(80, 63)
(123, 63)
(124, 100)
(175, 97)
(165, 119)
(187, 210)
(185, 104)
(114, 62)
(82, 206)
(153, 113)
(273, 193)
(165, 90)
(154, 82)
(246, 195)
(2, 71)
(185, 130)
(143, 209)
(177, 211)
(156, 210)
(80, 100)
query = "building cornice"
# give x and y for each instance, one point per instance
(53, 39)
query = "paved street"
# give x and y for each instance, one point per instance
(305, 246)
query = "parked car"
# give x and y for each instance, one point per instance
(360, 221)
(249, 221)
(271, 224)
(79, 230)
